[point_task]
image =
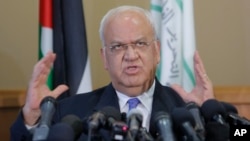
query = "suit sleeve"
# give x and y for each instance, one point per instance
(18, 130)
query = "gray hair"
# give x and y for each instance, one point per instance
(120, 9)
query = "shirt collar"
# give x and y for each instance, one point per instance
(145, 98)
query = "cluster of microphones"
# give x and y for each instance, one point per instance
(209, 122)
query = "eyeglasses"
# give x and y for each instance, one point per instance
(139, 45)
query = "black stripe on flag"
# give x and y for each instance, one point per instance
(70, 44)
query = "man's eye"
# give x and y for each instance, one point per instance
(141, 44)
(116, 47)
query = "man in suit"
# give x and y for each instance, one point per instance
(130, 54)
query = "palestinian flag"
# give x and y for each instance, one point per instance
(45, 31)
(69, 42)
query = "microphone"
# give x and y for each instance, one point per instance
(144, 135)
(75, 123)
(69, 129)
(162, 123)
(114, 124)
(184, 122)
(103, 118)
(107, 118)
(61, 132)
(124, 117)
(212, 110)
(217, 129)
(47, 107)
(229, 108)
(96, 121)
(194, 109)
(232, 116)
(134, 122)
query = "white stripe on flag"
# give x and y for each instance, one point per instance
(86, 83)
(46, 40)
(188, 81)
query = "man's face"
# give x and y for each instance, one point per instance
(131, 52)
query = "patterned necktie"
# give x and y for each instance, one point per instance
(132, 103)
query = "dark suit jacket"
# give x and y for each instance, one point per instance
(83, 105)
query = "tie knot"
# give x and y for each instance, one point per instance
(132, 103)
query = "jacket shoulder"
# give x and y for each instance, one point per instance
(80, 104)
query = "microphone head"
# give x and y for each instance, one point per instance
(160, 115)
(232, 115)
(229, 108)
(212, 107)
(160, 118)
(61, 132)
(180, 116)
(134, 122)
(48, 99)
(75, 123)
(111, 112)
(134, 112)
(191, 105)
(124, 117)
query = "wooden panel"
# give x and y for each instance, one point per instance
(12, 98)
(10, 103)
(7, 117)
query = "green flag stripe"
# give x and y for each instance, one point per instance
(158, 70)
(40, 55)
(189, 72)
(180, 4)
(185, 64)
(156, 8)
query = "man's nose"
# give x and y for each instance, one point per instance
(131, 53)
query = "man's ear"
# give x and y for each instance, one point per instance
(158, 50)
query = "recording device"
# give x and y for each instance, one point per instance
(232, 116)
(47, 106)
(134, 122)
(69, 129)
(162, 124)
(194, 109)
(184, 122)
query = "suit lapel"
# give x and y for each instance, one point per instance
(108, 98)
(162, 101)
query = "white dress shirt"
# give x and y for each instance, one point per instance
(145, 105)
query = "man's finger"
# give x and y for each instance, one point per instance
(59, 90)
